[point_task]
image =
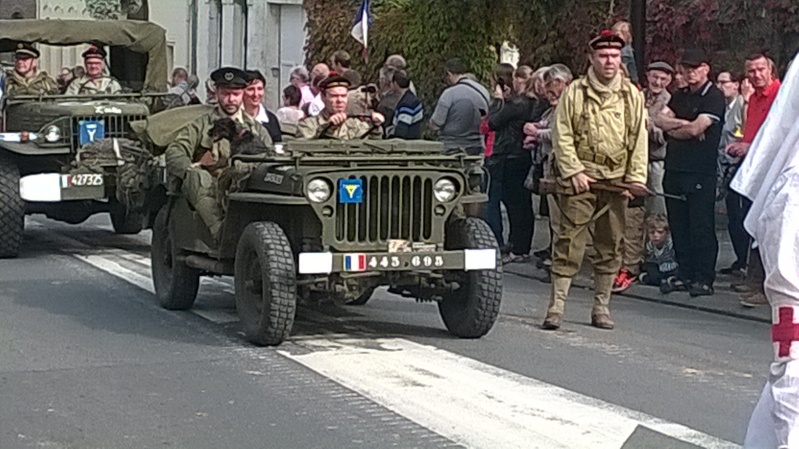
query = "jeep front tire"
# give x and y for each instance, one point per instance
(266, 283)
(12, 209)
(471, 310)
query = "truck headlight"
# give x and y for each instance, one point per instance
(445, 190)
(318, 190)
(52, 134)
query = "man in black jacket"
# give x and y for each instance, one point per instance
(510, 163)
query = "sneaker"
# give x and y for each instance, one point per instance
(515, 258)
(734, 270)
(643, 278)
(741, 287)
(624, 280)
(758, 299)
(542, 254)
(701, 290)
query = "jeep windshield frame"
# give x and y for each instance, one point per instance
(136, 36)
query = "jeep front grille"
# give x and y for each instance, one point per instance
(115, 125)
(393, 207)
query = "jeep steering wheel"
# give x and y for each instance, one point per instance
(80, 89)
(349, 116)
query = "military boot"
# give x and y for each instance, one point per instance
(600, 315)
(557, 301)
(211, 214)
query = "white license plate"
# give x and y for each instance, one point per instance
(85, 179)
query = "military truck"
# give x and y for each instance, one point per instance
(330, 219)
(71, 156)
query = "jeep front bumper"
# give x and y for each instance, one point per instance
(328, 262)
(55, 187)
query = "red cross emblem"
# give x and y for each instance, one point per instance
(785, 331)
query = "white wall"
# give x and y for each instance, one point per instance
(273, 37)
(53, 58)
(173, 16)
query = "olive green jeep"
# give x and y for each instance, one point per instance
(330, 219)
(71, 156)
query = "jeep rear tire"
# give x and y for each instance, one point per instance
(175, 283)
(363, 298)
(471, 310)
(266, 283)
(12, 209)
(125, 221)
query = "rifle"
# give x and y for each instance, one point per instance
(549, 185)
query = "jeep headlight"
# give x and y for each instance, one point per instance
(318, 190)
(52, 134)
(445, 190)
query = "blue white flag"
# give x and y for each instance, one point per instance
(360, 30)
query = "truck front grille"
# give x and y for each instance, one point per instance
(393, 207)
(115, 125)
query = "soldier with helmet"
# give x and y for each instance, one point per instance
(599, 137)
(95, 81)
(333, 122)
(194, 160)
(26, 78)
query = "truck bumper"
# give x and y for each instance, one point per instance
(328, 262)
(55, 187)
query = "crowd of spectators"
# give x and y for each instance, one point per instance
(699, 133)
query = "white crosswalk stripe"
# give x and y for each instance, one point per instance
(466, 401)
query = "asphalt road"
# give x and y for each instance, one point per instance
(89, 360)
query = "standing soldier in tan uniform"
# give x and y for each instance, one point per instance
(333, 122)
(195, 161)
(26, 79)
(599, 138)
(95, 81)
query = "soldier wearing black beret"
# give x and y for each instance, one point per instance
(26, 79)
(195, 159)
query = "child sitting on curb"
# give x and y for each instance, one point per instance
(660, 265)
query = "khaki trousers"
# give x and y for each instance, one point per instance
(634, 237)
(606, 211)
(200, 189)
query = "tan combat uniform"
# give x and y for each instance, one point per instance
(313, 127)
(601, 131)
(198, 184)
(87, 86)
(36, 85)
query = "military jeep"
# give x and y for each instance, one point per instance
(332, 219)
(71, 156)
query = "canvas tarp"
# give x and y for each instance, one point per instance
(139, 37)
(162, 128)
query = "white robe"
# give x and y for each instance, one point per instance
(769, 177)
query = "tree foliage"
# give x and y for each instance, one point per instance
(428, 32)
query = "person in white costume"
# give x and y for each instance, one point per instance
(770, 178)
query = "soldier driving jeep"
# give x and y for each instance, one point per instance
(94, 81)
(195, 159)
(333, 122)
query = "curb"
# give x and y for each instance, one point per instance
(663, 301)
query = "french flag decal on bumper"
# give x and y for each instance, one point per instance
(355, 262)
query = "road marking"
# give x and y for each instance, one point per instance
(467, 401)
(475, 404)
